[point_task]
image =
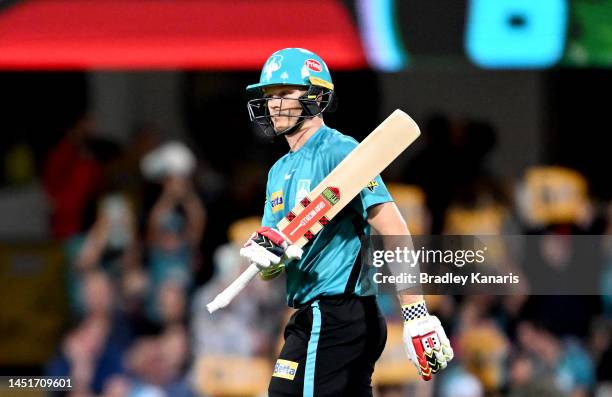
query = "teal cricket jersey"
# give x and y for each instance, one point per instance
(330, 264)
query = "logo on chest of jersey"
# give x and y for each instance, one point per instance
(303, 189)
(277, 201)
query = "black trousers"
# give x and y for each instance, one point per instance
(330, 349)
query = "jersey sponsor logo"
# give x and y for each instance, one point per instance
(303, 189)
(313, 65)
(277, 201)
(372, 185)
(285, 369)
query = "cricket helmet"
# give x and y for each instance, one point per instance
(293, 67)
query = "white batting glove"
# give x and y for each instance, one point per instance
(425, 341)
(268, 247)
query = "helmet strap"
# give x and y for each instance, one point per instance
(293, 128)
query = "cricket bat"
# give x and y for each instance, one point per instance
(314, 212)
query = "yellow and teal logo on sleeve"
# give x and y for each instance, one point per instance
(372, 185)
(277, 201)
(285, 369)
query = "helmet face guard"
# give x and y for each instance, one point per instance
(314, 102)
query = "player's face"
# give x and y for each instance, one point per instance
(284, 106)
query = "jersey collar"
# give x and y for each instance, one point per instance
(311, 142)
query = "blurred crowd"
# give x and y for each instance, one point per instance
(131, 267)
(145, 249)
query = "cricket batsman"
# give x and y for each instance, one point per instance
(337, 333)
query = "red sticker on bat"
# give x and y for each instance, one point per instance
(313, 212)
(308, 217)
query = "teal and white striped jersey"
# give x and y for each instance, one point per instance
(330, 264)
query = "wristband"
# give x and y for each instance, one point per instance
(414, 311)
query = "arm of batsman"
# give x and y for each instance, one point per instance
(425, 341)
(268, 247)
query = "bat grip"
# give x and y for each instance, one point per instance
(225, 297)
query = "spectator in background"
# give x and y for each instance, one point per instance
(228, 331)
(249, 326)
(460, 383)
(117, 386)
(146, 368)
(524, 382)
(155, 368)
(174, 233)
(176, 223)
(92, 351)
(111, 245)
(171, 303)
(564, 362)
(482, 346)
(72, 176)
(175, 351)
(112, 241)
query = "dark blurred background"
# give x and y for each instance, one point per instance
(109, 254)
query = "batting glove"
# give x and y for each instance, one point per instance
(268, 247)
(425, 340)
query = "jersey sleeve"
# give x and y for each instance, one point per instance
(268, 219)
(375, 192)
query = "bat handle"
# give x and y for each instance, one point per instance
(225, 297)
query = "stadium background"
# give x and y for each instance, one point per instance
(104, 280)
